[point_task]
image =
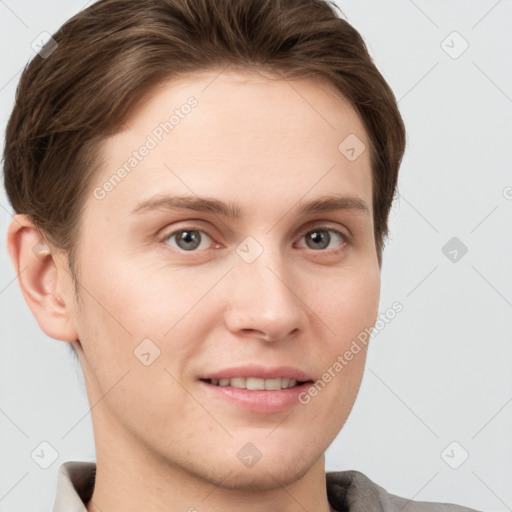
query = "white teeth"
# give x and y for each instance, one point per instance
(274, 384)
(255, 383)
(237, 382)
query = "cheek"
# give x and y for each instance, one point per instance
(126, 297)
(125, 303)
(349, 310)
(114, 314)
(351, 306)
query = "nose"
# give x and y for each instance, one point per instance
(264, 299)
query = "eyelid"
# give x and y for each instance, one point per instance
(320, 224)
(340, 249)
(188, 227)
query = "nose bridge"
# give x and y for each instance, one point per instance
(261, 295)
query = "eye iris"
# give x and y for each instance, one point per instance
(318, 236)
(191, 239)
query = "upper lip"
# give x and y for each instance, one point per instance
(260, 372)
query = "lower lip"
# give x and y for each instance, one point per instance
(259, 400)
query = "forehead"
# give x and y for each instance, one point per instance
(237, 133)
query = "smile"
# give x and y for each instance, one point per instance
(255, 383)
(256, 388)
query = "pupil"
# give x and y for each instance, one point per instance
(318, 236)
(190, 239)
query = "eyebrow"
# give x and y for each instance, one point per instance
(230, 209)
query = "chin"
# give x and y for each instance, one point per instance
(267, 474)
(265, 477)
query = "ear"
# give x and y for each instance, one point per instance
(44, 279)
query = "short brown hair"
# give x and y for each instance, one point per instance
(111, 54)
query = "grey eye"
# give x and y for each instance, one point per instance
(188, 239)
(320, 238)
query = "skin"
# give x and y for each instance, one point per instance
(163, 442)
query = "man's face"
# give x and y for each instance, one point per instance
(174, 297)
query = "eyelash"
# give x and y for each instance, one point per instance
(347, 239)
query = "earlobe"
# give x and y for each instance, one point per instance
(41, 279)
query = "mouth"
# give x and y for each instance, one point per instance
(256, 383)
(257, 388)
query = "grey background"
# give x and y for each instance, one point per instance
(441, 370)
